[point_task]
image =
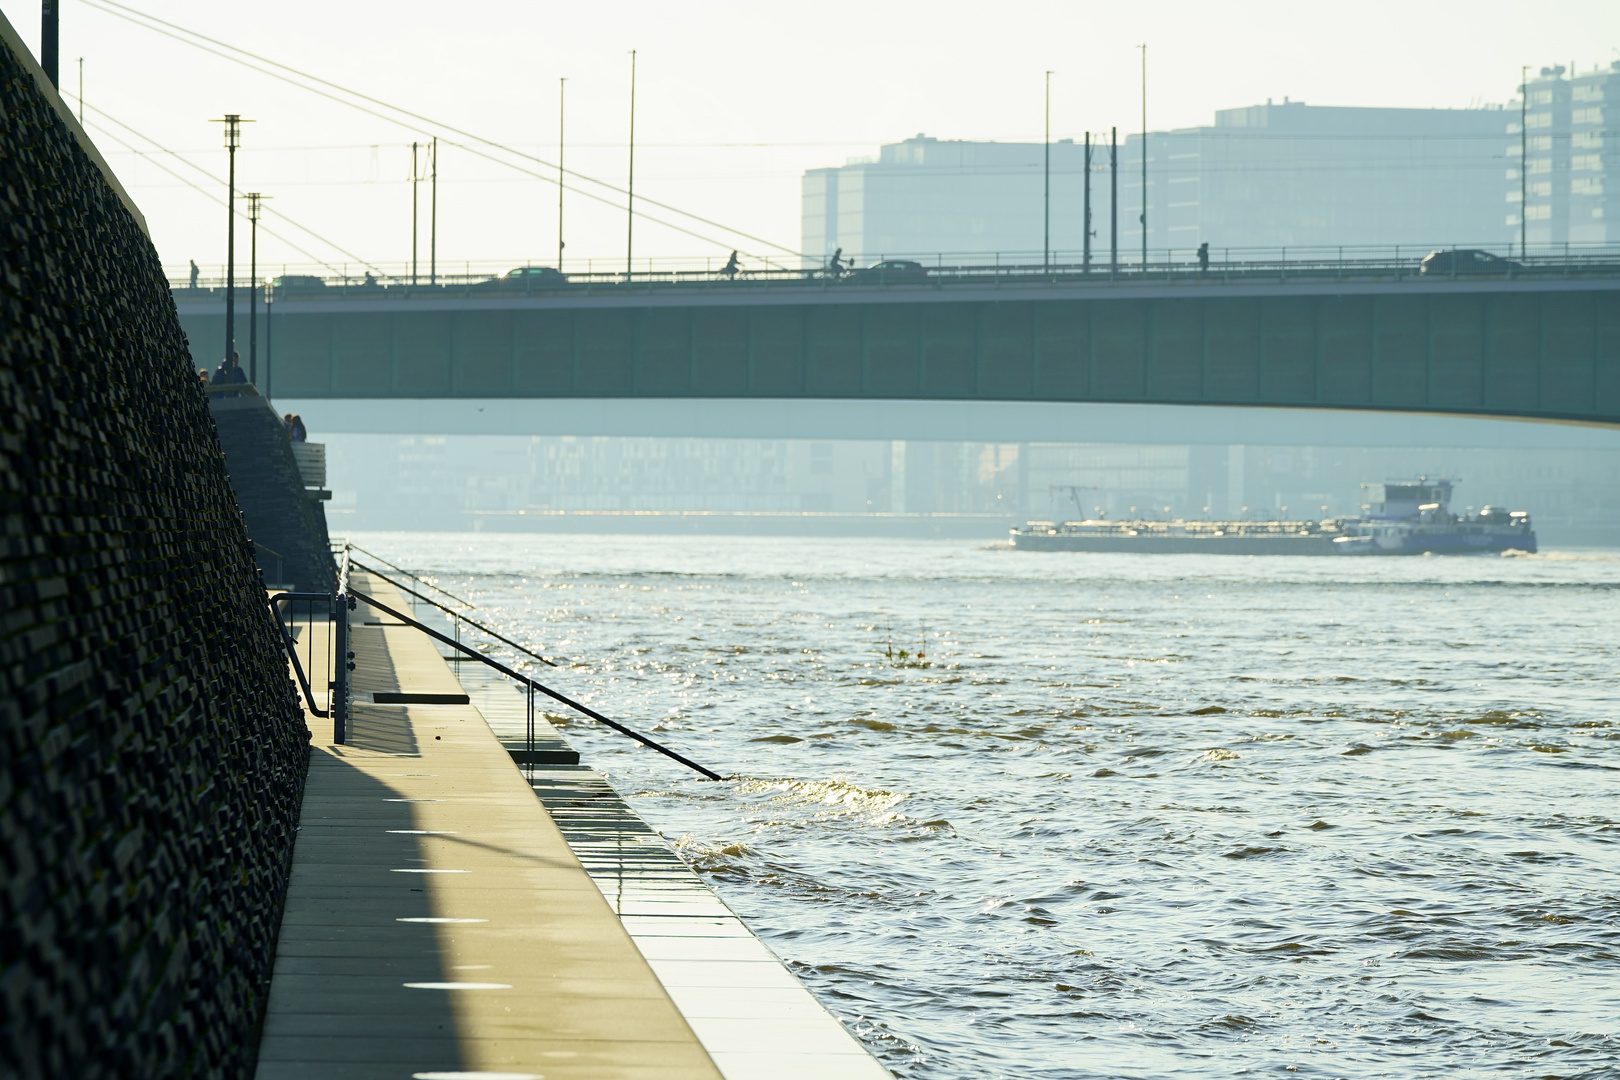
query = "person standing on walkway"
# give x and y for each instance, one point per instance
(1203, 257)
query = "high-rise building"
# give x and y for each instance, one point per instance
(1571, 138)
(947, 199)
(1267, 176)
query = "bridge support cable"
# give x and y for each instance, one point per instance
(194, 39)
(535, 686)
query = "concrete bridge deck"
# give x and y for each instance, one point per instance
(1541, 347)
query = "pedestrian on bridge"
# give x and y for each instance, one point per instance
(1203, 257)
(731, 267)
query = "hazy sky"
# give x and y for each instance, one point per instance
(734, 100)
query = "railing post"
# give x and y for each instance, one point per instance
(343, 656)
(340, 669)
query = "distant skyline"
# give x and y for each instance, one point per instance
(734, 100)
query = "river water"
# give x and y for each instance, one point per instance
(1130, 816)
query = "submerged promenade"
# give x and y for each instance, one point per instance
(438, 924)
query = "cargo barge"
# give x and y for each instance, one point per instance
(1398, 517)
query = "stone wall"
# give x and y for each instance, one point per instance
(152, 752)
(288, 525)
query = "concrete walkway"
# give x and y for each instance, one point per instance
(437, 924)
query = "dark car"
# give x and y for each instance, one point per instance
(528, 278)
(888, 272)
(1466, 261)
(297, 283)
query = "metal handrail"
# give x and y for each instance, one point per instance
(533, 686)
(451, 611)
(407, 573)
(292, 646)
(1226, 264)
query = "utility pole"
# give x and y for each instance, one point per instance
(1046, 234)
(269, 304)
(1085, 261)
(1524, 156)
(433, 213)
(1144, 157)
(233, 138)
(630, 217)
(49, 38)
(562, 89)
(415, 174)
(1113, 200)
(253, 198)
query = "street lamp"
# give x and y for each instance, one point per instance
(233, 138)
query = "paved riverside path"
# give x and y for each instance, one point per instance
(437, 924)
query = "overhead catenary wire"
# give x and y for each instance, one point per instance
(193, 165)
(185, 36)
(208, 194)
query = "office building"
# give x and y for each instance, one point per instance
(1264, 177)
(1571, 137)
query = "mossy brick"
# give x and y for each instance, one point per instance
(153, 751)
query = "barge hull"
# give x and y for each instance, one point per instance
(1178, 545)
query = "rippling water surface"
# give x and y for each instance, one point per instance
(1130, 815)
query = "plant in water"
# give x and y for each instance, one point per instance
(902, 657)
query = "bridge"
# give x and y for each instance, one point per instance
(1542, 342)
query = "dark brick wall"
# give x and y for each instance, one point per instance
(270, 492)
(152, 753)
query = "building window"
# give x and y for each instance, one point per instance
(1586, 163)
(1586, 186)
(1538, 120)
(1538, 213)
(1587, 116)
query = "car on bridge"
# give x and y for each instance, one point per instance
(889, 272)
(527, 279)
(1460, 261)
(297, 283)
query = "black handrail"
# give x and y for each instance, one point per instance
(457, 614)
(292, 646)
(554, 695)
(407, 573)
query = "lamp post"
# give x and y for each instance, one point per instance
(49, 38)
(253, 199)
(415, 176)
(433, 212)
(562, 88)
(233, 139)
(1113, 200)
(269, 305)
(1046, 189)
(630, 216)
(1524, 156)
(1085, 260)
(1144, 157)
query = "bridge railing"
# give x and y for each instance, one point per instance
(395, 281)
